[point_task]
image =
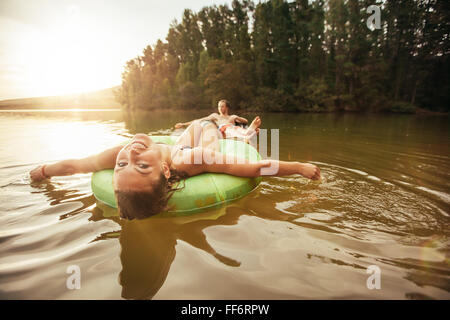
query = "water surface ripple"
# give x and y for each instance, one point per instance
(384, 200)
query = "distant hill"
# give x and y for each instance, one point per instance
(95, 99)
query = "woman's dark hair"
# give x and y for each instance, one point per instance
(143, 204)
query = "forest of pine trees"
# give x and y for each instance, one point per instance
(295, 56)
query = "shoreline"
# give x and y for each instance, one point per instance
(418, 111)
(74, 108)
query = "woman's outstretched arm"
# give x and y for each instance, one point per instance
(268, 168)
(103, 160)
(204, 160)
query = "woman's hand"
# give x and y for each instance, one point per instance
(96, 162)
(179, 125)
(309, 171)
(38, 174)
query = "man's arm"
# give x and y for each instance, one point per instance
(241, 120)
(185, 124)
(103, 160)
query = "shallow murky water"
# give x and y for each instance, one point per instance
(384, 200)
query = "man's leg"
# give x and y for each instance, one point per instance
(254, 126)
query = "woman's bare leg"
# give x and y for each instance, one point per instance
(191, 136)
(196, 135)
(209, 138)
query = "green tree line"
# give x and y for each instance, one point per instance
(291, 56)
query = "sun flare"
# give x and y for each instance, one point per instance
(66, 59)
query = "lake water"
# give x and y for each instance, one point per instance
(384, 200)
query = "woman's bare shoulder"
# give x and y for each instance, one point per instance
(188, 161)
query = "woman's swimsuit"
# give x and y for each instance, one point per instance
(204, 123)
(180, 147)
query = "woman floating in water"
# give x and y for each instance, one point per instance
(146, 173)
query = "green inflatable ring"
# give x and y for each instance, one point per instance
(200, 192)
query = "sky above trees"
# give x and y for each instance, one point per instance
(51, 47)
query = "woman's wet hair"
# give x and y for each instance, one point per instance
(134, 204)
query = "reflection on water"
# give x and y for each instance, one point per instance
(384, 200)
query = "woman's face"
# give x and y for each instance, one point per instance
(138, 165)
